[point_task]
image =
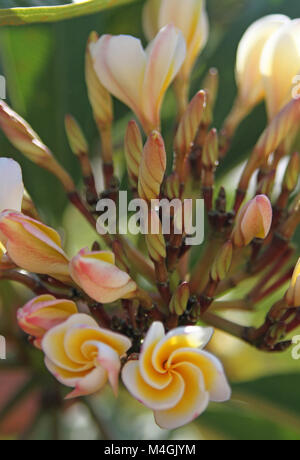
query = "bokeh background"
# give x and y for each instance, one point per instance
(44, 69)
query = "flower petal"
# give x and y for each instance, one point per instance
(152, 398)
(90, 384)
(194, 402)
(165, 56)
(11, 185)
(182, 337)
(120, 65)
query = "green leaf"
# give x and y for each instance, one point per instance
(27, 12)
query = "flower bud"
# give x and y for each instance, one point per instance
(77, 140)
(172, 186)
(22, 136)
(5, 262)
(11, 185)
(99, 97)
(133, 152)
(211, 85)
(291, 177)
(211, 150)
(222, 263)
(28, 206)
(97, 274)
(280, 65)
(249, 55)
(33, 246)
(155, 239)
(42, 314)
(293, 294)
(253, 221)
(152, 168)
(188, 128)
(179, 301)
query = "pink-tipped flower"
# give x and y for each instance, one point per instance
(152, 167)
(33, 246)
(253, 221)
(140, 78)
(175, 377)
(83, 356)
(42, 314)
(11, 185)
(293, 294)
(97, 274)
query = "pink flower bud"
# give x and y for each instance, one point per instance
(43, 313)
(97, 274)
(33, 246)
(253, 221)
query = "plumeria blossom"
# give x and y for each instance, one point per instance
(11, 185)
(280, 65)
(83, 356)
(33, 246)
(174, 376)
(189, 16)
(97, 274)
(140, 78)
(42, 314)
(249, 56)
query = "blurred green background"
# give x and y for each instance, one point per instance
(44, 69)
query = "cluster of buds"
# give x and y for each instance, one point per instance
(120, 309)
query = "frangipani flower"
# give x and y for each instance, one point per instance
(293, 294)
(174, 376)
(280, 65)
(253, 221)
(11, 185)
(83, 356)
(249, 55)
(33, 246)
(97, 274)
(140, 78)
(42, 314)
(189, 16)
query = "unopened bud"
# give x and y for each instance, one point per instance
(172, 186)
(211, 85)
(253, 221)
(292, 173)
(293, 294)
(179, 301)
(22, 136)
(5, 262)
(77, 140)
(188, 128)
(28, 206)
(211, 150)
(133, 152)
(152, 168)
(99, 97)
(222, 263)
(155, 239)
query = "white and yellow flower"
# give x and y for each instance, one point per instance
(83, 356)
(174, 376)
(140, 78)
